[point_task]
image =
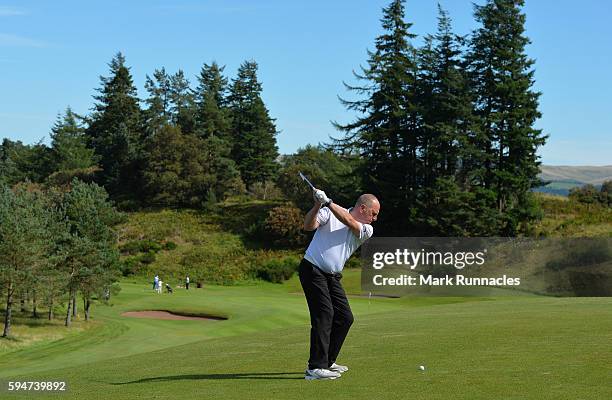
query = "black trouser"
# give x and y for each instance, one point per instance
(330, 314)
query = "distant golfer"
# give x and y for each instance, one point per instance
(187, 282)
(339, 232)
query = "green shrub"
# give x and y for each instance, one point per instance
(130, 265)
(148, 257)
(276, 270)
(169, 246)
(284, 226)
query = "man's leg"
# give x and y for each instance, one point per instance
(342, 321)
(321, 310)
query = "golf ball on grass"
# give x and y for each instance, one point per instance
(421, 367)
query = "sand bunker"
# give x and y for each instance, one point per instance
(169, 315)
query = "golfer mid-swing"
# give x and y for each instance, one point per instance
(339, 232)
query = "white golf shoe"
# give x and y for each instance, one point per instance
(320, 373)
(338, 368)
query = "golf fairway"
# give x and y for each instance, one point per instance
(520, 347)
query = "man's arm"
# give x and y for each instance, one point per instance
(346, 218)
(310, 221)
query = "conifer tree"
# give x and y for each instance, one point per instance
(182, 105)
(253, 132)
(212, 117)
(158, 112)
(115, 130)
(185, 170)
(507, 107)
(24, 243)
(68, 144)
(20, 162)
(386, 135)
(445, 199)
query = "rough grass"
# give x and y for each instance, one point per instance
(26, 331)
(211, 247)
(567, 218)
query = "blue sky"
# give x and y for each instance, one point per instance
(53, 52)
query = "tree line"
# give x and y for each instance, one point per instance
(180, 146)
(444, 134)
(55, 245)
(445, 131)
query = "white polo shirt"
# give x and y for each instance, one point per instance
(333, 242)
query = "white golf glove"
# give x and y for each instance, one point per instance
(320, 196)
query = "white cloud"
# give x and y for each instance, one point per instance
(7, 40)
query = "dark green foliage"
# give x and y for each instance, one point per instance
(386, 136)
(276, 270)
(69, 151)
(115, 131)
(169, 246)
(141, 253)
(606, 193)
(56, 242)
(212, 115)
(447, 141)
(253, 131)
(181, 103)
(90, 254)
(335, 173)
(238, 218)
(20, 162)
(148, 257)
(447, 204)
(588, 194)
(507, 108)
(25, 242)
(158, 112)
(182, 170)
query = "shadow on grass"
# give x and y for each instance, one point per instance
(247, 375)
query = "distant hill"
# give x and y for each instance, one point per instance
(563, 177)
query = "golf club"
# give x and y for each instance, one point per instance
(306, 180)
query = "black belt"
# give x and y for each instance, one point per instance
(336, 275)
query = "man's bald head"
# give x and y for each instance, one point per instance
(366, 209)
(366, 199)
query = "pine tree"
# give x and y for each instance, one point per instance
(507, 108)
(182, 106)
(90, 254)
(387, 135)
(68, 144)
(212, 117)
(445, 199)
(253, 140)
(447, 101)
(24, 242)
(158, 112)
(20, 162)
(184, 170)
(115, 131)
